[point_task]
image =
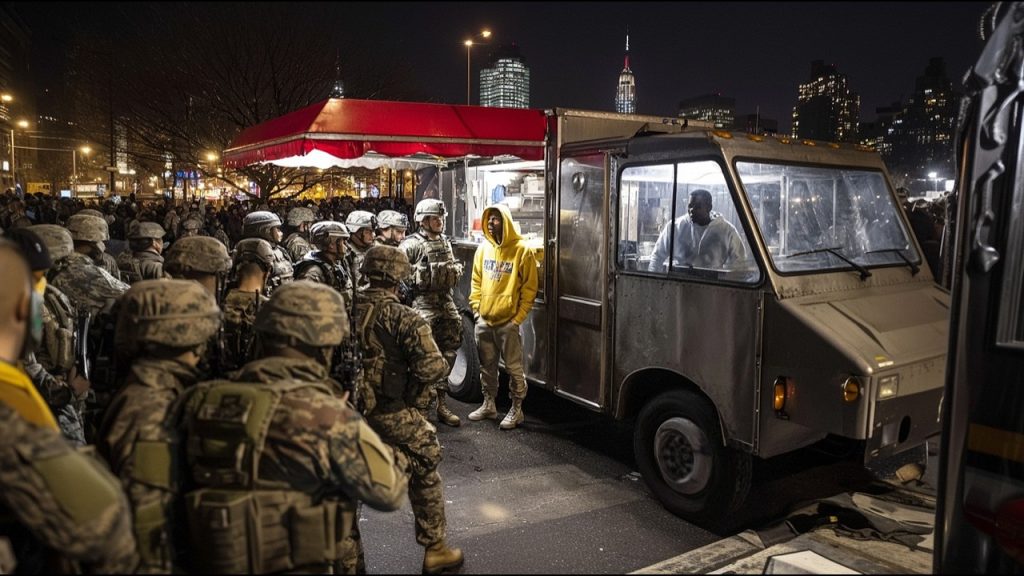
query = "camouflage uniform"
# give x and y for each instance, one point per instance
(356, 221)
(191, 226)
(171, 223)
(296, 244)
(388, 219)
(435, 275)
(89, 287)
(139, 436)
(400, 363)
(102, 258)
(240, 307)
(311, 444)
(143, 264)
(49, 365)
(55, 502)
(261, 224)
(318, 268)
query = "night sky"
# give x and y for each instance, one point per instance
(757, 53)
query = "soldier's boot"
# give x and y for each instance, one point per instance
(486, 410)
(439, 557)
(514, 417)
(443, 413)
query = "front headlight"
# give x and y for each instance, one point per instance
(888, 386)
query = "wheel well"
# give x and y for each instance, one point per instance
(642, 386)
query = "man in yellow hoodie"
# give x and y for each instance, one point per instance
(503, 289)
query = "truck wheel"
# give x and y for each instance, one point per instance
(464, 380)
(680, 455)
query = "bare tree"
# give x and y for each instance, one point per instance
(184, 79)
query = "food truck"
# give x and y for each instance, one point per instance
(823, 322)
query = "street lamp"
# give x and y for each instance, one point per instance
(469, 75)
(74, 168)
(935, 179)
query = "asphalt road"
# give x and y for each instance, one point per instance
(561, 495)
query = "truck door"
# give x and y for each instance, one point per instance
(581, 284)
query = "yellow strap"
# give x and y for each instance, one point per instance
(17, 391)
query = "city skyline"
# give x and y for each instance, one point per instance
(757, 53)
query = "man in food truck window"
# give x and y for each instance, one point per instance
(703, 238)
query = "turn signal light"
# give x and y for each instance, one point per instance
(779, 392)
(851, 390)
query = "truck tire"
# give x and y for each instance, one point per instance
(682, 460)
(464, 379)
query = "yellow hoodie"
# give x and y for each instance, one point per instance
(504, 275)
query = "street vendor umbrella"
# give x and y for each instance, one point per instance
(373, 133)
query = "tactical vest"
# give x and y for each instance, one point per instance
(335, 275)
(239, 523)
(437, 270)
(240, 310)
(385, 377)
(297, 246)
(281, 271)
(58, 331)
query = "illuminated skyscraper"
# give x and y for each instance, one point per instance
(826, 108)
(505, 83)
(625, 94)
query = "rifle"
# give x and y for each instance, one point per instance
(347, 361)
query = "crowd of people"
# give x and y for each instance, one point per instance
(245, 375)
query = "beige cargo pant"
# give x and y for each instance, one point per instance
(505, 342)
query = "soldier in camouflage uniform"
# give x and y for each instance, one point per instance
(89, 287)
(296, 243)
(191, 226)
(253, 261)
(435, 275)
(162, 329)
(102, 258)
(327, 264)
(199, 258)
(266, 225)
(276, 437)
(361, 226)
(401, 363)
(56, 505)
(52, 365)
(143, 260)
(391, 227)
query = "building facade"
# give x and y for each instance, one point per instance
(715, 108)
(505, 83)
(625, 91)
(826, 109)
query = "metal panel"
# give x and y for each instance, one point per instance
(581, 277)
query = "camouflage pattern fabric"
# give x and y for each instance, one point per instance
(281, 272)
(89, 287)
(297, 246)
(78, 512)
(305, 312)
(356, 256)
(436, 305)
(141, 416)
(318, 445)
(316, 268)
(136, 266)
(109, 263)
(67, 408)
(169, 313)
(239, 316)
(395, 416)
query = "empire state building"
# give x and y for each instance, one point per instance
(625, 94)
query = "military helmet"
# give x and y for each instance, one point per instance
(429, 207)
(90, 212)
(57, 239)
(321, 231)
(255, 250)
(201, 254)
(139, 229)
(386, 263)
(304, 312)
(298, 215)
(192, 224)
(392, 219)
(259, 225)
(166, 312)
(358, 219)
(88, 228)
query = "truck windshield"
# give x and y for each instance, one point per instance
(799, 209)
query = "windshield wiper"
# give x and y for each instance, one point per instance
(914, 268)
(834, 250)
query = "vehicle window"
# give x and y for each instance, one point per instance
(812, 217)
(680, 219)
